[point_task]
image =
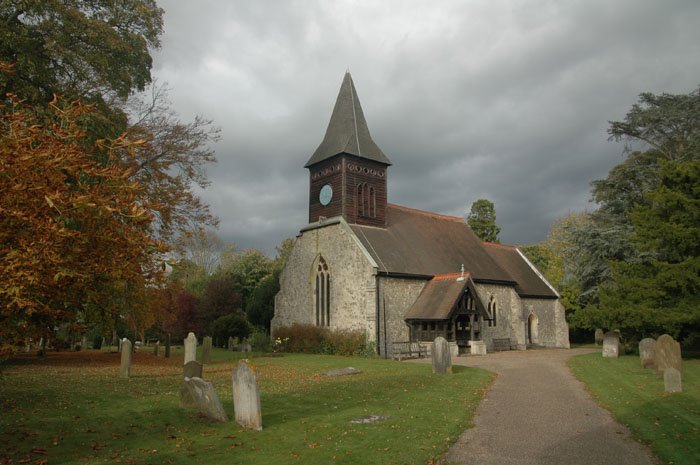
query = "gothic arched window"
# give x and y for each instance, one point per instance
(371, 203)
(360, 199)
(492, 311)
(322, 294)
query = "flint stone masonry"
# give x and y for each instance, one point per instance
(246, 396)
(667, 354)
(190, 348)
(611, 345)
(672, 380)
(599, 336)
(477, 348)
(342, 372)
(646, 352)
(125, 368)
(201, 395)
(206, 349)
(192, 369)
(442, 358)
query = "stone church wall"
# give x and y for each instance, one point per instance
(352, 281)
(551, 329)
(509, 322)
(396, 295)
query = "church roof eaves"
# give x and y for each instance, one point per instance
(347, 130)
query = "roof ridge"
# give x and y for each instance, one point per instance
(427, 213)
(496, 244)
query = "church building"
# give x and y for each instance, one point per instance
(400, 274)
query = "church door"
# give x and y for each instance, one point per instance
(532, 329)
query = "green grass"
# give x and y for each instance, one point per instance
(73, 408)
(669, 423)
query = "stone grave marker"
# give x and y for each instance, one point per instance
(206, 349)
(646, 352)
(201, 395)
(192, 369)
(246, 396)
(667, 354)
(442, 358)
(611, 345)
(230, 344)
(245, 347)
(167, 345)
(477, 348)
(125, 368)
(672, 380)
(342, 372)
(156, 348)
(190, 348)
(599, 336)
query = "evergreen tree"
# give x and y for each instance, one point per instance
(482, 220)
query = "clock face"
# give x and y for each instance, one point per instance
(325, 195)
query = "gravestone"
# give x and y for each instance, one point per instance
(201, 395)
(230, 344)
(667, 354)
(167, 345)
(646, 352)
(342, 372)
(206, 349)
(599, 336)
(192, 369)
(672, 380)
(246, 396)
(245, 347)
(190, 348)
(442, 358)
(156, 348)
(611, 345)
(125, 368)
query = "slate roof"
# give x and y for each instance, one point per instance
(416, 242)
(440, 296)
(347, 130)
(529, 284)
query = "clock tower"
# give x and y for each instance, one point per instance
(348, 172)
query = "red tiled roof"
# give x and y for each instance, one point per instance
(440, 296)
(529, 284)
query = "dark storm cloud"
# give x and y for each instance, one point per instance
(501, 100)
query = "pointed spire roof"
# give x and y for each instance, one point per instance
(347, 130)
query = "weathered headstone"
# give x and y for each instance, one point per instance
(611, 345)
(246, 396)
(646, 352)
(667, 354)
(190, 348)
(167, 345)
(442, 359)
(206, 349)
(672, 380)
(125, 368)
(156, 348)
(230, 344)
(599, 336)
(342, 372)
(192, 369)
(245, 347)
(201, 395)
(84, 343)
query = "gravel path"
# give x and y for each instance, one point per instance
(538, 413)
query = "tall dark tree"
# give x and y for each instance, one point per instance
(482, 220)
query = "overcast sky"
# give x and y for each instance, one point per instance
(504, 100)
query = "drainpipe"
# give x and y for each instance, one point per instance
(376, 310)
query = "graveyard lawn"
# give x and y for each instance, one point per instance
(73, 408)
(668, 423)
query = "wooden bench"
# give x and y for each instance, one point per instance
(501, 345)
(407, 349)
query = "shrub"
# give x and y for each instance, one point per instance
(312, 339)
(234, 325)
(260, 341)
(302, 338)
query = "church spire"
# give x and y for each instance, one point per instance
(347, 130)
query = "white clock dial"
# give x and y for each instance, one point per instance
(325, 195)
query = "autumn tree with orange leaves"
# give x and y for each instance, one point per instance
(75, 228)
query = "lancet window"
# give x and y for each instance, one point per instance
(322, 294)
